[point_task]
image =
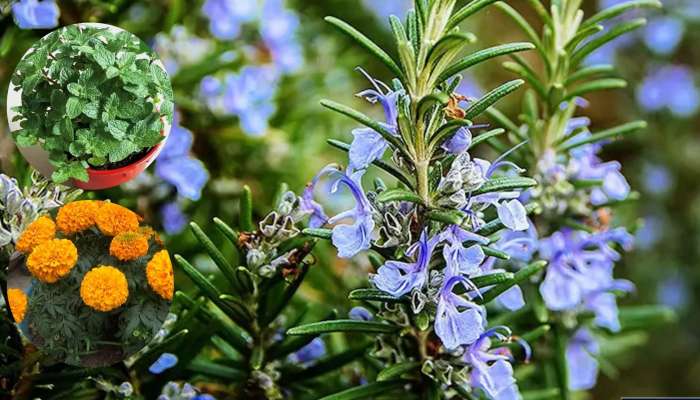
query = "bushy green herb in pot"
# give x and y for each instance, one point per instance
(93, 97)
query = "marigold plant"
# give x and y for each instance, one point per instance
(100, 280)
(40, 231)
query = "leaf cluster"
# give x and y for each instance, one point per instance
(91, 97)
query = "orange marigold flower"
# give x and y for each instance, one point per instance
(159, 273)
(113, 219)
(52, 260)
(128, 246)
(77, 216)
(18, 303)
(39, 231)
(104, 288)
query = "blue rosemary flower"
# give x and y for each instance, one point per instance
(458, 321)
(163, 363)
(580, 272)
(309, 353)
(657, 179)
(398, 278)
(278, 28)
(663, 34)
(36, 14)
(674, 292)
(462, 260)
(177, 167)
(589, 167)
(581, 353)
(227, 16)
(491, 372)
(360, 314)
(670, 87)
(173, 218)
(368, 145)
(248, 94)
(349, 238)
(459, 142)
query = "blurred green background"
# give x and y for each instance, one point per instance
(661, 63)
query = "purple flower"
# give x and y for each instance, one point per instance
(510, 211)
(580, 272)
(227, 16)
(310, 206)
(309, 353)
(674, 292)
(368, 145)
(650, 232)
(586, 165)
(491, 372)
(513, 215)
(164, 362)
(458, 321)
(581, 353)
(350, 238)
(662, 35)
(360, 314)
(398, 278)
(172, 218)
(177, 167)
(672, 87)
(520, 245)
(469, 87)
(459, 142)
(278, 27)
(460, 260)
(35, 14)
(657, 179)
(250, 96)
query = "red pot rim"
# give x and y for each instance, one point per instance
(146, 157)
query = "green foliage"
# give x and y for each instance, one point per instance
(91, 97)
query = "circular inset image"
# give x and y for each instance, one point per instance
(88, 285)
(90, 104)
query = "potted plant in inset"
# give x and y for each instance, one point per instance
(90, 103)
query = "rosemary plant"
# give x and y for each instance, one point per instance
(433, 336)
(578, 191)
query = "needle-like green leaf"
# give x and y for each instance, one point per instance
(343, 325)
(492, 97)
(365, 42)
